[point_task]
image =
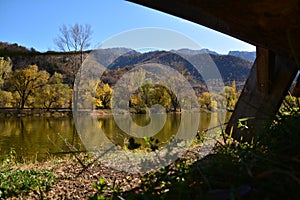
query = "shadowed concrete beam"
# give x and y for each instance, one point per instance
(265, 61)
(261, 103)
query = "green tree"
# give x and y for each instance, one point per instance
(144, 95)
(137, 103)
(156, 94)
(54, 94)
(25, 82)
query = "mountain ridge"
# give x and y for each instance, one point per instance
(248, 55)
(232, 68)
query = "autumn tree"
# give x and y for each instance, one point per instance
(25, 82)
(137, 104)
(5, 68)
(103, 95)
(85, 93)
(148, 95)
(174, 87)
(205, 100)
(6, 99)
(231, 96)
(54, 94)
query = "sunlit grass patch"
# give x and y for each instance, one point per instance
(15, 181)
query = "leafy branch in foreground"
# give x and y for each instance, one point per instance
(105, 190)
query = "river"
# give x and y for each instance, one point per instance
(38, 138)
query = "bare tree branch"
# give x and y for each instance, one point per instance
(74, 38)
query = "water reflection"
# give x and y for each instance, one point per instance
(118, 136)
(38, 137)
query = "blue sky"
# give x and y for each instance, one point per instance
(35, 23)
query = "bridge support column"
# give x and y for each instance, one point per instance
(269, 81)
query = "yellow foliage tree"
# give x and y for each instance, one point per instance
(54, 94)
(5, 99)
(103, 95)
(205, 100)
(5, 68)
(26, 82)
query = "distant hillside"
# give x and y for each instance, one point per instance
(230, 67)
(6, 48)
(247, 55)
(244, 54)
(51, 61)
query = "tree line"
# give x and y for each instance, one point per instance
(34, 88)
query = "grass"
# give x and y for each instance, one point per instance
(18, 182)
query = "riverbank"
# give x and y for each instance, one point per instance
(35, 112)
(74, 179)
(231, 170)
(53, 112)
(77, 176)
(63, 112)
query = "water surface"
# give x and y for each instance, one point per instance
(36, 138)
